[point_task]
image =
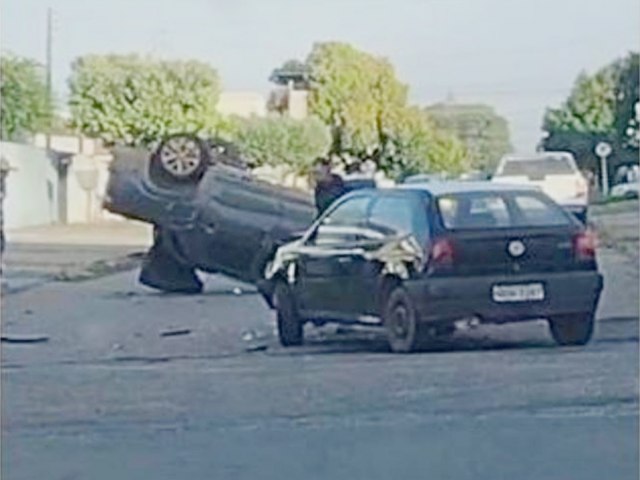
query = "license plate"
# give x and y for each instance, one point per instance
(528, 292)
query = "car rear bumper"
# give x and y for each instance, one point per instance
(445, 299)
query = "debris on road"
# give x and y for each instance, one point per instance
(175, 332)
(24, 338)
(256, 341)
(262, 347)
(249, 335)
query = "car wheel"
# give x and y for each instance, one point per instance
(404, 331)
(572, 329)
(181, 158)
(290, 325)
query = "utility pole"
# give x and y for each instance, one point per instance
(49, 50)
(62, 162)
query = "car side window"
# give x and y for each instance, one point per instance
(396, 214)
(344, 224)
(350, 212)
(536, 212)
(474, 211)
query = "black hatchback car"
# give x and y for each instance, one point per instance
(417, 259)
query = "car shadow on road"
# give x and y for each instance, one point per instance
(348, 341)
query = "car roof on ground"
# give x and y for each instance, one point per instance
(445, 188)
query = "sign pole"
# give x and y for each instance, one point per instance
(603, 150)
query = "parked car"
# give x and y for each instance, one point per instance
(416, 259)
(358, 181)
(628, 182)
(626, 190)
(474, 176)
(425, 178)
(555, 173)
(210, 212)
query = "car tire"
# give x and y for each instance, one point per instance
(180, 159)
(162, 271)
(405, 333)
(572, 329)
(290, 325)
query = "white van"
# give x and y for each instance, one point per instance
(555, 173)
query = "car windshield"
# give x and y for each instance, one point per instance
(537, 167)
(485, 210)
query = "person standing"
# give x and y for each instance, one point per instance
(329, 186)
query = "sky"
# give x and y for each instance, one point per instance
(519, 56)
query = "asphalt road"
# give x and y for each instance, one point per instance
(132, 384)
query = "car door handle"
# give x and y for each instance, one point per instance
(345, 259)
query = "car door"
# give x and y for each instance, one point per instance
(392, 215)
(328, 261)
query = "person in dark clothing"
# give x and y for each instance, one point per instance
(329, 186)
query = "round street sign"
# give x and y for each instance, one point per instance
(603, 149)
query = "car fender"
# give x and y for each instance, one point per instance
(399, 256)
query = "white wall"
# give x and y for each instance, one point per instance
(32, 187)
(243, 104)
(86, 183)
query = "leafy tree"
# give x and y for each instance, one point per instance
(627, 103)
(601, 107)
(136, 100)
(25, 105)
(416, 146)
(590, 107)
(276, 140)
(353, 92)
(364, 105)
(484, 133)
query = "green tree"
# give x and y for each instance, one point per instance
(627, 103)
(416, 146)
(360, 99)
(136, 100)
(484, 133)
(601, 107)
(277, 140)
(590, 107)
(353, 92)
(25, 106)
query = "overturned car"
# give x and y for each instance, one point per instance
(210, 212)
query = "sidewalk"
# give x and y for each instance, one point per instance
(113, 233)
(618, 226)
(38, 255)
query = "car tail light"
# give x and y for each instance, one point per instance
(585, 244)
(442, 253)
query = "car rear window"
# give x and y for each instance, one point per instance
(537, 167)
(486, 210)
